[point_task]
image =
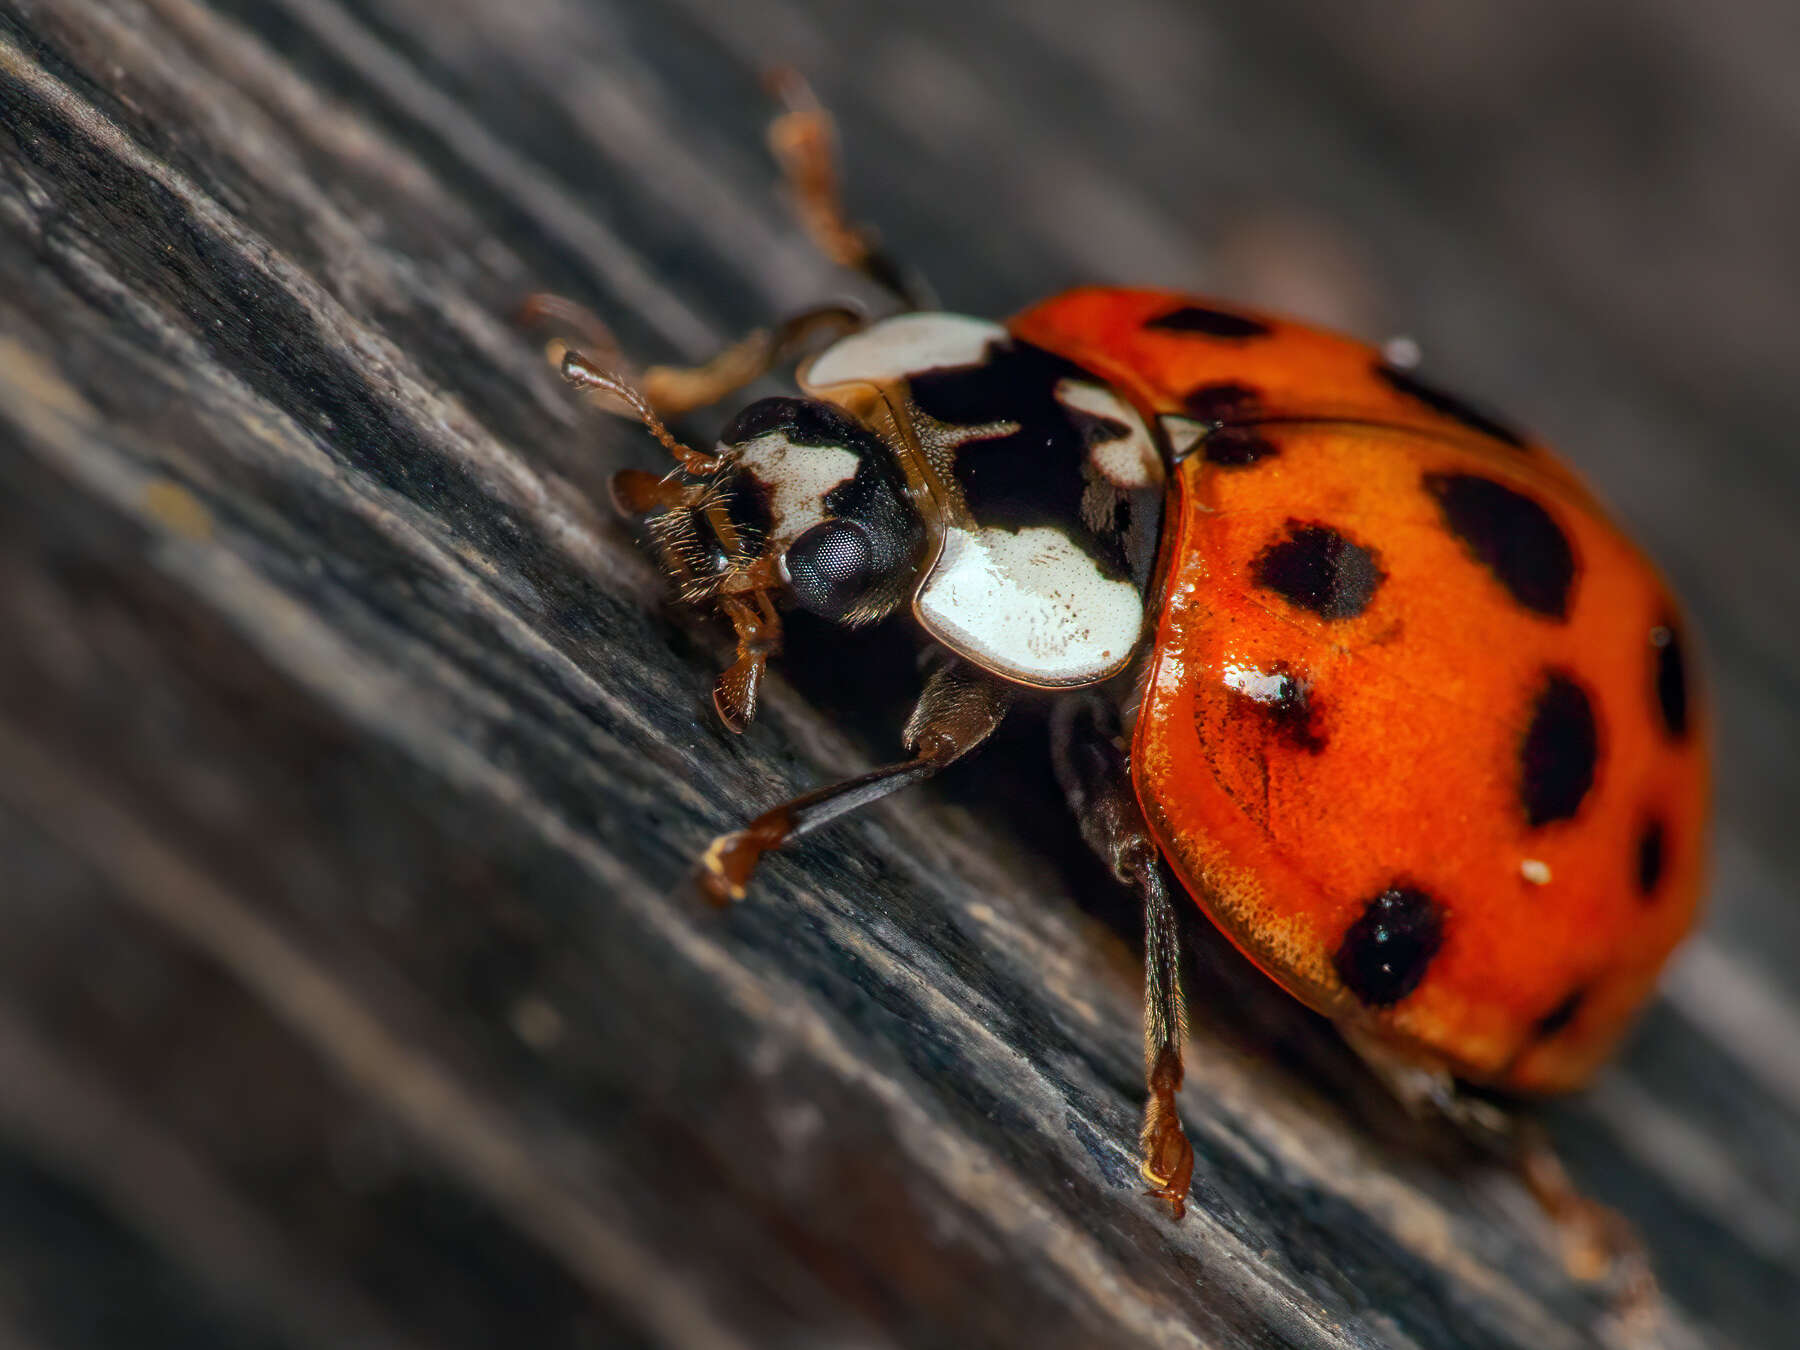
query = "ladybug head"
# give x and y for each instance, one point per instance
(802, 504)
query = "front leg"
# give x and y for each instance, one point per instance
(1092, 769)
(958, 710)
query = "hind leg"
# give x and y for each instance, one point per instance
(1598, 1245)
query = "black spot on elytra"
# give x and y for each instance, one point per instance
(1448, 405)
(1560, 751)
(1286, 703)
(1387, 951)
(1235, 447)
(1560, 1016)
(1671, 679)
(1319, 569)
(1216, 323)
(1512, 536)
(1652, 848)
(1222, 401)
(1224, 405)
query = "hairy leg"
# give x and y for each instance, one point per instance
(1092, 770)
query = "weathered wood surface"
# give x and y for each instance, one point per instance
(350, 761)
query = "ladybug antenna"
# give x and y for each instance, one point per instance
(584, 375)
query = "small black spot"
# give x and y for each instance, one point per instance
(1235, 447)
(1449, 405)
(1671, 679)
(1386, 952)
(1224, 401)
(1097, 430)
(1319, 569)
(1560, 751)
(1560, 1016)
(1217, 323)
(1512, 536)
(1651, 855)
(1286, 702)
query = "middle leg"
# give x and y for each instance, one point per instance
(1094, 775)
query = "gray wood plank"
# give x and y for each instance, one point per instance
(350, 760)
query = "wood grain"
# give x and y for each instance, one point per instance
(351, 762)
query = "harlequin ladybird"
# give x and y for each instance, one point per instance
(1368, 669)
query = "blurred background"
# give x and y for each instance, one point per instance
(350, 758)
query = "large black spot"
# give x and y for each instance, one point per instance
(1319, 569)
(1671, 679)
(1386, 952)
(1512, 536)
(1651, 855)
(1449, 405)
(1560, 1016)
(1225, 405)
(1217, 323)
(1561, 749)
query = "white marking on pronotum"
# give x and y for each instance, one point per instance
(1030, 605)
(798, 478)
(1536, 871)
(1184, 434)
(1128, 461)
(907, 344)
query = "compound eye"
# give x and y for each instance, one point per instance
(830, 567)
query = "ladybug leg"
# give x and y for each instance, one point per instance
(804, 142)
(958, 710)
(671, 391)
(1091, 767)
(1599, 1246)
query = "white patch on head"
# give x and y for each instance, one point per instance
(798, 477)
(1030, 606)
(907, 344)
(1184, 433)
(1129, 461)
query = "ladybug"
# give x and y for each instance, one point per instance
(1367, 671)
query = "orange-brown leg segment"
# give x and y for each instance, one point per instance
(804, 142)
(1091, 768)
(958, 710)
(671, 391)
(1599, 1246)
